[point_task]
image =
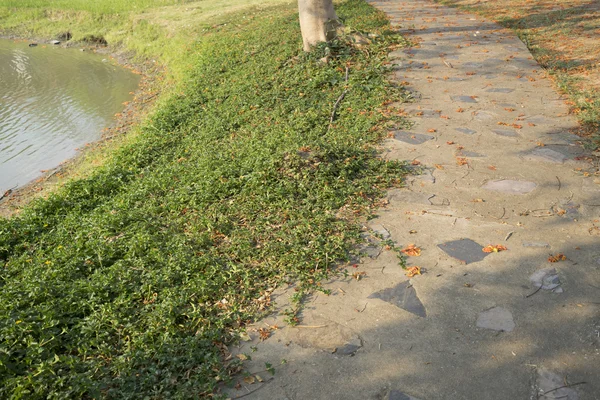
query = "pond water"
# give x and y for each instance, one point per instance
(52, 101)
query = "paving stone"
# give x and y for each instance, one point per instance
(411, 137)
(507, 105)
(404, 296)
(398, 395)
(466, 131)
(472, 65)
(539, 119)
(485, 115)
(536, 244)
(350, 348)
(547, 384)
(505, 132)
(425, 113)
(409, 196)
(371, 251)
(466, 251)
(567, 209)
(466, 153)
(380, 231)
(510, 186)
(453, 79)
(590, 186)
(490, 76)
(547, 279)
(500, 90)
(497, 319)
(464, 99)
(547, 155)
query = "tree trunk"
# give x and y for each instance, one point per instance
(318, 21)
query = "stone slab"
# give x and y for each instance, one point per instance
(510, 186)
(403, 296)
(496, 319)
(411, 137)
(466, 251)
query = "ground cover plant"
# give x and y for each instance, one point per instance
(564, 37)
(129, 283)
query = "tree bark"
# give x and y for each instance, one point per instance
(318, 21)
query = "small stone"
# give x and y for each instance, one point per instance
(466, 251)
(412, 138)
(403, 296)
(510, 186)
(505, 132)
(548, 384)
(536, 244)
(546, 155)
(55, 42)
(547, 279)
(500, 90)
(464, 99)
(466, 131)
(497, 319)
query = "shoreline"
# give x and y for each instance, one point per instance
(144, 97)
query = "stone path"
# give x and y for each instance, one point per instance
(498, 167)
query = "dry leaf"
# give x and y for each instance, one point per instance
(556, 258)
(492, 167)
(431, 130)
(415, 162)
(462, 161)
(478, 201)
(249, 379)
(264, 333)
(438, 166)
(358, 275)
(450, 142)
(412, 251)
(494, 249)
(412, 271)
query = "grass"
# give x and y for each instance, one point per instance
(129, 283)
(564, 37)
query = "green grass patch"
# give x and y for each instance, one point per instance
(126, 284)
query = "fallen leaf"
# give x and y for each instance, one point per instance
(450, 142)
(431, 130)
(438, 166)
(556, 258)
(412, 231)
(249, 379)
(492, 167)
(264, 333)
(462, 161)
(415, 162)
(359, 275)
(494, 249)
(412, 271)
(459, 110)
(478, 201)
(412, 251)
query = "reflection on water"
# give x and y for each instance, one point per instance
(53, 100)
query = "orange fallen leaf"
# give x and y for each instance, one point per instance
(459, 109)
(478, 201)
(556, 258)
(432, 130)
(359, 275)
(264, 333)
(412, 271)
(450, 142)
(492, 167)
(412, 251)
(462, 161)
(494, 249)
(438, 166)
(415, 162)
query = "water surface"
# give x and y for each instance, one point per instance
(52, 101)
